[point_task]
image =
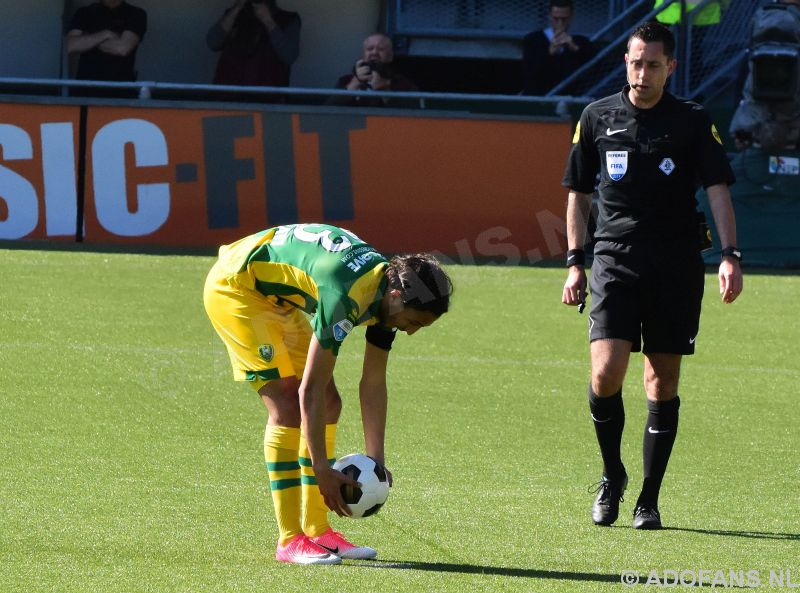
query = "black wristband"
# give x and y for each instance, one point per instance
(732, 252)
(576, 257)
(381, 337)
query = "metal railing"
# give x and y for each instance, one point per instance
(144, 91)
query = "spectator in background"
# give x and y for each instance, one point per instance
(375, 71)
(105, 36)
(258, 42)
(549, 56)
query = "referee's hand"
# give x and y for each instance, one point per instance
(575, 287)
(731, 282)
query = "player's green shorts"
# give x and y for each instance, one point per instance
(266, 339)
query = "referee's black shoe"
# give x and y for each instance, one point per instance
(646, 517)
(605, 509)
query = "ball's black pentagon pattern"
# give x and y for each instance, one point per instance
(351, 494)
(380, 471)
(372, 510)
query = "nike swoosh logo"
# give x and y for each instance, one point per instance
(653, 431)
(610, 132)
(598, 420)
(691, 340)
(331, 550)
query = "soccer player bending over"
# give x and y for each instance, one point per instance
(259, 296)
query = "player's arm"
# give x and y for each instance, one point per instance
(316, 377)
(79, 42)
(121, 45)
(578, 207)
(731, 282)
(374, 397)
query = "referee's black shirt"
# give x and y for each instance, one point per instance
(650, 161)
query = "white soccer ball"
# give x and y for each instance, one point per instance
(374, 491)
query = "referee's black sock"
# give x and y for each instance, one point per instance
(608, 415)
(659, 436)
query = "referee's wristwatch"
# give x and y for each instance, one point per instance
(733, 252)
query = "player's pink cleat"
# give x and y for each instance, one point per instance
(334, 542)
(301, 550)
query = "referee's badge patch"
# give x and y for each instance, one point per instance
(715, 133)
(616, 164)
(577, 136)
(667, 166)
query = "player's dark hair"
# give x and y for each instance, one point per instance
(653, 31)
(422, 282)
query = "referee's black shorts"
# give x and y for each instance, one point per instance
(648, 293)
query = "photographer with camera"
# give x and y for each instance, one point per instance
(375, 71)
(258, 42)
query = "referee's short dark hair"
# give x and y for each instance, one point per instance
(652, 31)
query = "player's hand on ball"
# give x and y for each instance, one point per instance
(330, 484)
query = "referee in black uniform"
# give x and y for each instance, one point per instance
(651, 151)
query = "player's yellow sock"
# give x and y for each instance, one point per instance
(315, 511)
(281, 444)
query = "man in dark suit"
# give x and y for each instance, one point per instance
(550, 55)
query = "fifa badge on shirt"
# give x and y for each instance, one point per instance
(266, 351)
(341, 329)
(667, 166)
(616, 164)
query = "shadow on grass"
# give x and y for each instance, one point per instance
(749, 534)
(530, 573)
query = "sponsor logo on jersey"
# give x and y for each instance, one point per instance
(610, 132)
(715, 133)
(616, 164)
(667, 166)
(266, 351)
(341, 329)
(359, 261)
(577, 135)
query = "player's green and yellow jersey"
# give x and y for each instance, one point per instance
(326, 271)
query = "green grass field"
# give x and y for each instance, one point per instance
(130, 460)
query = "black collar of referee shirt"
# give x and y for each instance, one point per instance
(666, 99)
